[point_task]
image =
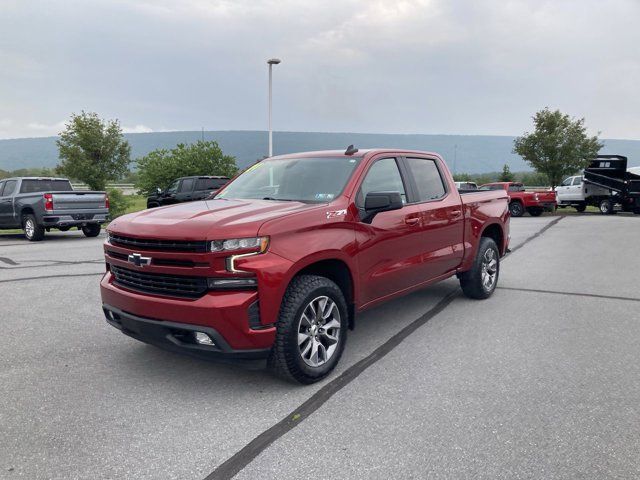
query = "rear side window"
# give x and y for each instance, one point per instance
(1, 188)
(187, 184)
(427, 178)
(210, 183)
(577, 181)
(383, 176)
(9, 188)
(516, 187)
(32, 186)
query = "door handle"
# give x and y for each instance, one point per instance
(456, 213)
(412, 220)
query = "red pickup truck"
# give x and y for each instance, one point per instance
(277, 265)
(521, 200)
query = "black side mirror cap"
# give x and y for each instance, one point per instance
(376, 202)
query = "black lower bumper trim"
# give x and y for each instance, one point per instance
(179, 337)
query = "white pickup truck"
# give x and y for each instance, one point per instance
(574, 192)
(606, 184)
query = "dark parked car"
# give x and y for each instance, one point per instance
(187, 189)
(38, 204)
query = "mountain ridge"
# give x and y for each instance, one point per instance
(463, 153)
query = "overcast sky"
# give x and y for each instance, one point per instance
(422, 66)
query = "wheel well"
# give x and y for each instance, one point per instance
(338, 272)
(26, 211)
(516, 200)
(495, 232)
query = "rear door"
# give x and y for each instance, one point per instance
(185, 192)
(390, 250)
(7, 190)
(441, 217)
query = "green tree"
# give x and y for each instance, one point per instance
(506, 175)
(558, 147)
(159, 168)
(93, 150)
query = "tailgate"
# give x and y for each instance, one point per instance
(78, 200)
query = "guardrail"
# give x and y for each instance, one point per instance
(125, 188)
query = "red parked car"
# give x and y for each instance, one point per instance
(521, 200)
(276, 267)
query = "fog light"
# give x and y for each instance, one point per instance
(203, 339)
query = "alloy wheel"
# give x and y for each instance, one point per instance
(489, 269)
(319, 331)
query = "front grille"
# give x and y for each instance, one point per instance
(162, 262)
(172, 285)
(158, 245)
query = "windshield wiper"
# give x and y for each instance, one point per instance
(280, 199)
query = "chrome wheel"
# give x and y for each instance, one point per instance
(489, 269)
(29, 228)
(319, 331)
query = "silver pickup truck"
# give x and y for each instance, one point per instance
(37, 204)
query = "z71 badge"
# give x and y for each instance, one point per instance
(336, 213)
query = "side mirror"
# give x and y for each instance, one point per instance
(158, 190)
(376, 202)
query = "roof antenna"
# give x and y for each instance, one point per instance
(350, 150)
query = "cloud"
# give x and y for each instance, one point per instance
(137, 129)
(403, 66)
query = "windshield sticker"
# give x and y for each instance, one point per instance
(324, 196)
(336, 213)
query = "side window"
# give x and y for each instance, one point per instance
(566, 182)
(1, 188)
(173, 188)
(383, 176)
(9, 187)
(427, 178)
(187, 184)
(577, 181)
(516, 187)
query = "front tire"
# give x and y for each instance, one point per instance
(516, 209)
(480, 282)
(32, 231)
(91, 230)
(311, 330)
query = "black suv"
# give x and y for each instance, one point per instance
(187, 189)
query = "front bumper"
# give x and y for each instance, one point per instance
(179, 337)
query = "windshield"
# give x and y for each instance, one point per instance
(307, 179)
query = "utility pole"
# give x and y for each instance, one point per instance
(271, 62)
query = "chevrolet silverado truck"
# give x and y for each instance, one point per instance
(37, 204)
(521, 200)
(275, 268)
(187, 189)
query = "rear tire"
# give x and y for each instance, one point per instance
(481, 280)
(607, 206)
(91, 230)
(516, 209)
(32, 231)
(535, 211)
(581, 207)
(310, 304)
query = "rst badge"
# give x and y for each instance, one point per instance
(138, 260)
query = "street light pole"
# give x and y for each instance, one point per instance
(271, 62)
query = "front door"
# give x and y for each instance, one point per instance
(185, 192)
(390, 247)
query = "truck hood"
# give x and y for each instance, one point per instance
(205, 220)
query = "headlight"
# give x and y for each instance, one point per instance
(108, 239)
(258, 244)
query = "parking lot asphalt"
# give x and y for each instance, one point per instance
(539, 381)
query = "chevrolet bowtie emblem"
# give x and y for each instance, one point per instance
(138, 260)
